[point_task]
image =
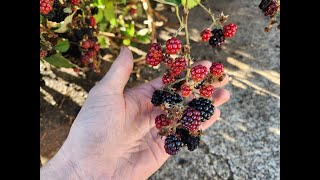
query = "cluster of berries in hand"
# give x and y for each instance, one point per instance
(181, 118)
(216, 37)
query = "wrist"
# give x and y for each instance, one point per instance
(60, 167)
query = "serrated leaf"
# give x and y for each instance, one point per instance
(62, 45)
(191, 3)
(64, 26)
(126, 42)
(59, 61)
(170, 2)
(109, 11)
(99, 16)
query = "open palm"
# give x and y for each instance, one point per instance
(114, 135)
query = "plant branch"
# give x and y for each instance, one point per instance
(178, 16)
(214, 21)
(187, 47)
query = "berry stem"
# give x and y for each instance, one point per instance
(214, 21)
(178, 16)
(187, 55)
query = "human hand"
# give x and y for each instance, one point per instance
(114, 134)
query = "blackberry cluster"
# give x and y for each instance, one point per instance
(204, 106)
(180, 121)
(217, 38)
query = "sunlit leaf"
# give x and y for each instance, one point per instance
(62, 45)
(191, 3)
(59, 61)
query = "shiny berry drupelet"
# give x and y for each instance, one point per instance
(190, 119)
(173, 46)
(264, 4)
(167, 79)
(154, 56)
(172, 144)
(205, 35)
(185, 90)
(178, 66)
(45, 6)
(198, 72)
(204, 106)
(229, 30)
(162, 121)
(217, 38)
(206, 91)
(216, 69)
(171, 98)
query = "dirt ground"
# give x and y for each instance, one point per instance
(243, 144)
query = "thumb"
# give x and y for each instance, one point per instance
(119, 73)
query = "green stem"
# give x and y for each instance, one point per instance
(187, 55)
(178, 16)
(214, 21)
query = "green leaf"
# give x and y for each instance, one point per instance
(145, 39)
(191, 3)
(99, 16)
(130, 30)
(126, 42)
(124, 1)
(102, 41)
(59, 61)
(62, 45)
(64, 26)
(109, 11)
(170, 2)
(41, 17)
(113, 22)
(101, 2)
(102, 26)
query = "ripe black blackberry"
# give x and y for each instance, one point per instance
(172, 144)
(264, 4)
(94, 10)
(191, 141)
(217, 38)
(199, 85)
(157, 99)
(172, 98)
(204, 106)
(56, 4)
(88, 31)
(50, 15)
(60, 15)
